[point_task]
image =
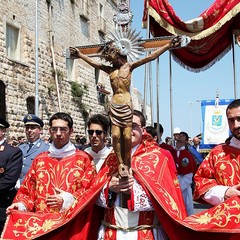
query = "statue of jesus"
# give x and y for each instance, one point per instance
(120, 72)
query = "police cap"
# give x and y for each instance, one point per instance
(31, 119)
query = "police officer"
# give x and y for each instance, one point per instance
(34, 145)
(10, 169)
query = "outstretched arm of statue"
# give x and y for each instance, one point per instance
(173, 43)
(75, 52)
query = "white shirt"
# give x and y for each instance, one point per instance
(98, 157)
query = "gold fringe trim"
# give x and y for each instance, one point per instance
(196, 70)
(194, 36)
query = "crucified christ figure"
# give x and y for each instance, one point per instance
(120, 72)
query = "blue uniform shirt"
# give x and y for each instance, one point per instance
(28, 156)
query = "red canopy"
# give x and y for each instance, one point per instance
(211, 33)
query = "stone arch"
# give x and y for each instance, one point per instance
(2, 100)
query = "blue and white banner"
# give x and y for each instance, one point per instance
(215, 125)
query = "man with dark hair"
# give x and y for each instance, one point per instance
(98, 126)
(186, 168)
(217, 178)
(168, 141)
(196, 155)
(152, 131)
(162, 144)
(154, 194)
(10, 169)
(81, 142)
(54, 190)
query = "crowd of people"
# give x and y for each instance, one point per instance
(76, 189)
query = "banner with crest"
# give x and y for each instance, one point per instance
(214, 122)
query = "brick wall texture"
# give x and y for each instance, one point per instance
(60, 26)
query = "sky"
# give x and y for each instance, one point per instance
(188, 88)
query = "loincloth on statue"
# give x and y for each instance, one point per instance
(121, 114)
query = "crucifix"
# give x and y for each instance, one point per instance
(123, 51)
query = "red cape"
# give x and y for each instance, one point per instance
(220, 222)
(150, 167)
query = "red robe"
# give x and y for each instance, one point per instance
(169, 148)
(151, 169)
(185, 162)
(74, 174)
(220, 167)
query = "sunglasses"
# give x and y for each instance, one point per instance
(98, 132)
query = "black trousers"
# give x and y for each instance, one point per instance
(6, 199)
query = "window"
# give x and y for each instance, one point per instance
(13, 42)
(84, 26)
(2, 101)
(101, 20)
(31, 105)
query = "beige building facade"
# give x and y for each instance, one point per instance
(64, 84)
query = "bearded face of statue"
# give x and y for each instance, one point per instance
(113, 56)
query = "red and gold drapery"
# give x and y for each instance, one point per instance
(211, 33)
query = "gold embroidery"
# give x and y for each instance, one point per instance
(220, 217)
(32, 227)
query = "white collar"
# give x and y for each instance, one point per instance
(100, 154)
(68, 150)
(134, 148)
(235, 143)
(99, 157)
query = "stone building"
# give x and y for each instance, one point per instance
(63, 84)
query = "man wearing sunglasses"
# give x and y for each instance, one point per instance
(98, 126)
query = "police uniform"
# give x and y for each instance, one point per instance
(10, 169)
(38, 146)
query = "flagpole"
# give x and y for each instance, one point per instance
(150, 92)
(157, 97)
(170, 91)
(146, 75)
(36, 61)
(234, 69)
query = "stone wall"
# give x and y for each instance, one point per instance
(59, 26)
